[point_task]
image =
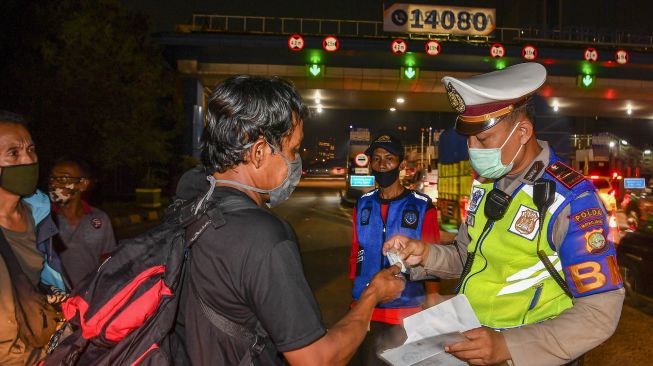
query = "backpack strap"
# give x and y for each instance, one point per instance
(257, 339)
(214, 216)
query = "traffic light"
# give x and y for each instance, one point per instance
(314, 70)
(409, 73)
(586, 81)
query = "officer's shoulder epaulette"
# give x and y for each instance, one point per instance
(564, 174)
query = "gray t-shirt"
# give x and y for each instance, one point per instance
(86, 243)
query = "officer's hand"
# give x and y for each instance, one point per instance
(483, 347)
(388, 284)
(412, 251)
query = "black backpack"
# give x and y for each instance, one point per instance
(125, 314)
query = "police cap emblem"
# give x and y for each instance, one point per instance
(455, 99)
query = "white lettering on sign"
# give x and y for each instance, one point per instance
(432, 48)
(497, 50)
(399, 46)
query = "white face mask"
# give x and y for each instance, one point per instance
(283, 191)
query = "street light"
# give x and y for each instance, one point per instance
(392, 109)
(611, 143)
(624, 142)
(400, 100)
(647, 152)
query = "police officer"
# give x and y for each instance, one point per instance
(531, 314)
(390, 209)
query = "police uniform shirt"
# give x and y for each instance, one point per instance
(556, 341)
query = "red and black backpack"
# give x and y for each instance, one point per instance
(125, 313)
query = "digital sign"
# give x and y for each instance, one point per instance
(634, 183)
(361, 180)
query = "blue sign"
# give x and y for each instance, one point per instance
(361, 181)
(634, 183)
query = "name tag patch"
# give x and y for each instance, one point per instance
(525, 223)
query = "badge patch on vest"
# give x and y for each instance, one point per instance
(475, 201)
(96, 223)
(595, 241)
(564, 174)
(409, 219)
(525, 223)
(365, 216)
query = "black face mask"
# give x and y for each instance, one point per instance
(385, 179)
(20, 179)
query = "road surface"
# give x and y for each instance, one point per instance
(323, 227)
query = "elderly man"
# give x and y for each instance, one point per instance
(539, 273)
(29, 267)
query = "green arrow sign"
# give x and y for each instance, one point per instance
(586, 81)
(410, 72)
(315, 70)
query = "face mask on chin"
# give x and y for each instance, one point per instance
(21, 179)
(487, 162)
(283, 191)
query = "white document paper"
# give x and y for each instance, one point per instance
(453, 315)
(425, 352)
(429, 331)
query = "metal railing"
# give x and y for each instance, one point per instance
(373, 29)
(270, 25)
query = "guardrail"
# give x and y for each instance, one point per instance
(374, 29)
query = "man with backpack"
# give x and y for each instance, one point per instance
(249, 269)
(29, 267)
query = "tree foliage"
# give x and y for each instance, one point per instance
(94, 84)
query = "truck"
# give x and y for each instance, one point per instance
(455, 177)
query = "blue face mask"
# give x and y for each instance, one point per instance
(487, 162)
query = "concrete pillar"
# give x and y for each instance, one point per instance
(193, 115)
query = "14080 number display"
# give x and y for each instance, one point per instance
(412, 18)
